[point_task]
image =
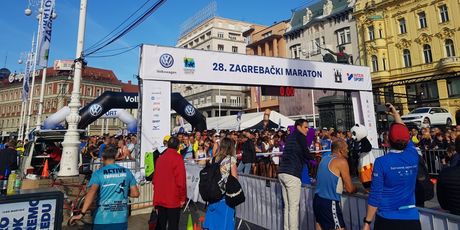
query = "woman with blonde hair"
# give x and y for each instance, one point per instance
(219, 215)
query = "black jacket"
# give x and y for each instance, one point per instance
(295, 154)
(249, 152)
(8, 159)
(448, 189)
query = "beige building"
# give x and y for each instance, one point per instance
(265, 41)
(223, 35)
(58, 89)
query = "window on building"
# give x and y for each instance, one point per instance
(343, 36)
(208, 99)
(422, 20)
(268, 34)
(371, 32)
(220, 34)
(407, 59)
(453, 87)
(202, 38)
(380, 33)
(62, 89)
(375, 63)
(295, 51)
(402, 26)
(427, 54)
(220, 47)
(443, 13)
(384, 62)
(235, 49)
(89, 91)
(208, 47)
(49, 89)
(323, 40)
(450, 49)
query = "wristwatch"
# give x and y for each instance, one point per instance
(365, 221)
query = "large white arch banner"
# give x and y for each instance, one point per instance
(161, 66)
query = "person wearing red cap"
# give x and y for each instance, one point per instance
(392, 196)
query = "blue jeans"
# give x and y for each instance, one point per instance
(245, 168)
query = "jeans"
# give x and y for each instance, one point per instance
(291, 196)
(245, 168)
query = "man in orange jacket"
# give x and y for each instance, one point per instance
(169, 187)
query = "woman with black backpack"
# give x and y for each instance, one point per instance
(219, 215)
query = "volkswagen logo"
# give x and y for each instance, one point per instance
(189, 110)
(95, 110)
(166, 60)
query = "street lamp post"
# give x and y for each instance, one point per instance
(69, 163)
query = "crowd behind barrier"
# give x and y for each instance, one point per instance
(264, 205)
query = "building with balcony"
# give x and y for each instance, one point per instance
(413, 50)
(223, 35)
(57, 94)
(265, 41)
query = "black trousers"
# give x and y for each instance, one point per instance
(385, 224)
(168, 218)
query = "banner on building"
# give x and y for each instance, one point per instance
(45, 33)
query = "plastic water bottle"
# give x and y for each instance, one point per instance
(4, 185)
(17, 184)
(11, 182)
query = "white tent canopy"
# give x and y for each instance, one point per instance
(247, 120)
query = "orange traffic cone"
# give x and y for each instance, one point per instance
(45, 172)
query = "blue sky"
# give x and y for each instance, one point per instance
(161, 28)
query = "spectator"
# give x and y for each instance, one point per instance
(392, 196)
(8, 157)
(439, 142)
(55, 154)
(220, 216)
(109, 187)
(123, 152)
(294, 157)
(425, 142)
(333, 176)
(102, 147)
(452, 158)
(187, 150)
(448, 186)
(248, 155)
(326, 143)
(414, 136)
(169, 186)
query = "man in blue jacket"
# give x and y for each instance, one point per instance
(295, 155)
(392, 196)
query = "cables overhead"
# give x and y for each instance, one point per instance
(125, 50)
(124, 28)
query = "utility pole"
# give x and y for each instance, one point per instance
(69, 163)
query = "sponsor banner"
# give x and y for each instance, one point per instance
(34, 214)
(187, 65)
(63, 65)
(45, 33)
(193, 179)
(368, 112)
(156, 115)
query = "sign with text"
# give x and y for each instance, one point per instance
(281, 91)
(33, 214)
(156, 115)
(198, 66)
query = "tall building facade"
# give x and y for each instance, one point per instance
(413, 50)
(327, 24)
(265, 41)
(57, 94)
(223, 35)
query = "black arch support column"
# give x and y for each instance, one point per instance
(188, 112)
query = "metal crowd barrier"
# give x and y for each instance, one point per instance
(433, 160)
(264, 207)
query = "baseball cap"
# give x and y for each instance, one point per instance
(399, 132)
(166, 138)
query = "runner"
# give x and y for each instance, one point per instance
(333, 176)
(110, 187)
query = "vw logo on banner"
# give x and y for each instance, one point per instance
(95, 110)
(166, 60)
(189, 110)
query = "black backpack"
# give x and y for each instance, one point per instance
(209, 182)
(423, 178)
